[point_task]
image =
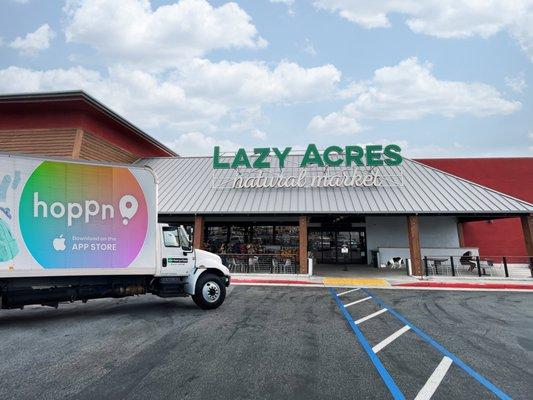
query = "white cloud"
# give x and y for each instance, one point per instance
(197, 97)
(34, 42)
(250, 83)
(335, 124)
(444, 18)
(409, 91)
(198, 144)
(129, 31)
(258, 134)
(516, 84)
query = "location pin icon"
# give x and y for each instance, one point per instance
(128, 207)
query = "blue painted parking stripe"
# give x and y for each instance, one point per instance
(484, 381)
(393, 388)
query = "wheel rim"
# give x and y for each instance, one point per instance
(211, 291)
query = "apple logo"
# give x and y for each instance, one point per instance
(59, 243)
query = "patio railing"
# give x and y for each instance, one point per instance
(260, 263)
(481, 266)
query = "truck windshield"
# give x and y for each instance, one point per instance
(184, 238)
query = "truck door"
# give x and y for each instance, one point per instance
(177, 253)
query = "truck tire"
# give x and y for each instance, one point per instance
(210, 292)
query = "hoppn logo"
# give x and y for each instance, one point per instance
(128, 207)
(83, 216)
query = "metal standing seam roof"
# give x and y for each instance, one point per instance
(186, 187)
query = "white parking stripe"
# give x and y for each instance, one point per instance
(348, 291)
(359, 321)
(357, 301)
(434, 380)
(391, 338)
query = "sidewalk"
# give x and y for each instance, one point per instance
(448, 282)
(391, 282)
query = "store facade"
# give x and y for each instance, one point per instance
(272, 210)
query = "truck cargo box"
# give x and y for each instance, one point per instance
(66, 218)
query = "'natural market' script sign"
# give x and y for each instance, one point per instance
(335, 166)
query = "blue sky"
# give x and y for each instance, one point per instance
(441, 78)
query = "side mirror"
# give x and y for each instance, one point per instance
(186, 250)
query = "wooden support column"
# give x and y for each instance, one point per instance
(461, 234)
(78, 139)
(198, 234)
(527, 228)
(414, 245)
(303, 244)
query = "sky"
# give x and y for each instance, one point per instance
(441, 78)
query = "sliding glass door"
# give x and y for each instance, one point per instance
(326, 245)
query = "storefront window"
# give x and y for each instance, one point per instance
(252, 239)
(288, 239)
(216, 237)
(239, 240)
(263, 235)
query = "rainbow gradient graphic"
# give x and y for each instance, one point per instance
(83, 216)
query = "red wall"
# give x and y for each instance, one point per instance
(75, 114)
(512, 176)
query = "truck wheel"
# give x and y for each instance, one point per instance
(210, 292)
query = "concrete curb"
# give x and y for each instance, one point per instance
(277, 281)
(466, 285)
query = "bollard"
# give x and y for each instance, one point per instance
(531, 265)
(453, 266)
(478, 266)
(505, 267)
(426, 265)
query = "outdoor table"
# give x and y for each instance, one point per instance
(437, 261)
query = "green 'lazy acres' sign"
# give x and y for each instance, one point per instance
(332, 156)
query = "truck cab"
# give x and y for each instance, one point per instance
(190, 271)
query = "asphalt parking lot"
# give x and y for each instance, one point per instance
(271, 342)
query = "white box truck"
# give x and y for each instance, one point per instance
(79, 230)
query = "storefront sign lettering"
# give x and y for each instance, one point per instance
(355, 178)
(332, 156)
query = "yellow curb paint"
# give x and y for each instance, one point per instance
(330, 281)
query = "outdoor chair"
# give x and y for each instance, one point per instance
(274, 268)
(232, 265)
(253, 263)
(287, 266)
(487, 266)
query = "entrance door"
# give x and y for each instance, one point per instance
(327, 244)
(329, 247)
(358, 246)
